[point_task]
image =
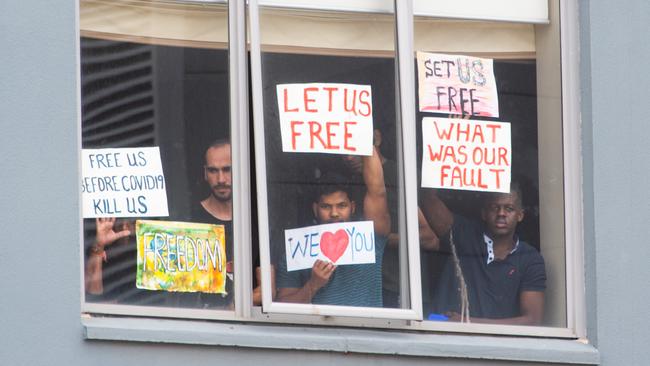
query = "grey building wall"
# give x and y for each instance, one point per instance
(39, 260)
(616, 131)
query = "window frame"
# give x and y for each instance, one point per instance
(566, 13)
(270, 306)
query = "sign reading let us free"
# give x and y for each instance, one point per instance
(340, 243)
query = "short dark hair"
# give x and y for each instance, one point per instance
(215, 143)
(514, 188)
(218, 143)
(329, 183)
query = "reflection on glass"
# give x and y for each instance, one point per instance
(488, 266)
(145, 83)
(331, 149)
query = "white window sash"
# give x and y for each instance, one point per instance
(524, 11)
(415, 300)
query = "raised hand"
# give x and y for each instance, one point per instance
(106, 233)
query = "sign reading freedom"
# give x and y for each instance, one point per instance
(340, 243)
(466, 154)
(326, 118)
(456, 84)
(181, 256)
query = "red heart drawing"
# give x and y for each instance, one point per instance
(333, 245)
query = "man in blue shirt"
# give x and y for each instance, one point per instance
(500, 277)
(354, 285)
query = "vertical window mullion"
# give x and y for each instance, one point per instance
(406, 95)
(240, 134)
(260, 148)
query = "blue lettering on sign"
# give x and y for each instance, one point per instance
(371, 242)
(313, 244)
(360, 242)
(302, 248)
(350, 236)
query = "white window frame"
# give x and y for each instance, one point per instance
(415, 299)
(240, 135)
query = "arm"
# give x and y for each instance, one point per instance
(428, 239)
(437, 214)
(257, 291)
(375, 205)
(105, 235)
(531, 304)
(321, 273)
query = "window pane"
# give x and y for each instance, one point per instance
(489, 264)
(332, 162)
(147, 84)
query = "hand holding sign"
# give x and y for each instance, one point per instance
(321, 273)
(341, 243)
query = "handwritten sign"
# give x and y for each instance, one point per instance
(455, 84)
(466, 154)
(181, 256)
(125, 182)
(326, 118)
(339, 243)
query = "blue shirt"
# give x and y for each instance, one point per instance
(350, 285)
(493, 288)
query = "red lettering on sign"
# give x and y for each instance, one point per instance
(329, 134)
(309, 100)
(294, 133)
(366, 103)
(286, 102)
(314, 132)
(461, 177)
(330, 91)
(353, 107)
(497, 173)
(494, 129)
(347, 136)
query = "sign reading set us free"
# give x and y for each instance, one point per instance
(466, 154)
(181, 256)
(123, 182)
(326, 118)
(340, 243)
(456, 84)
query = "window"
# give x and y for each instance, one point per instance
(335, 97)
(155, 87)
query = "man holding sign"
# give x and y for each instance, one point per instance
(353, 284)
(493, 275)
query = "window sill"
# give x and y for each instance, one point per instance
(340, 340)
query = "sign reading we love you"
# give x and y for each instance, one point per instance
(340, 243)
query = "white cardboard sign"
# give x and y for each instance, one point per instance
(123, 182)
(466, 154)
(326, 118)
(457, 84)
(340, 243)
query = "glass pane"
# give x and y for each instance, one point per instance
(156, 234)
(484, 142)
(332, 162)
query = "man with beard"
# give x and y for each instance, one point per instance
(352, 285)
(498, 277)
(217, 209)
